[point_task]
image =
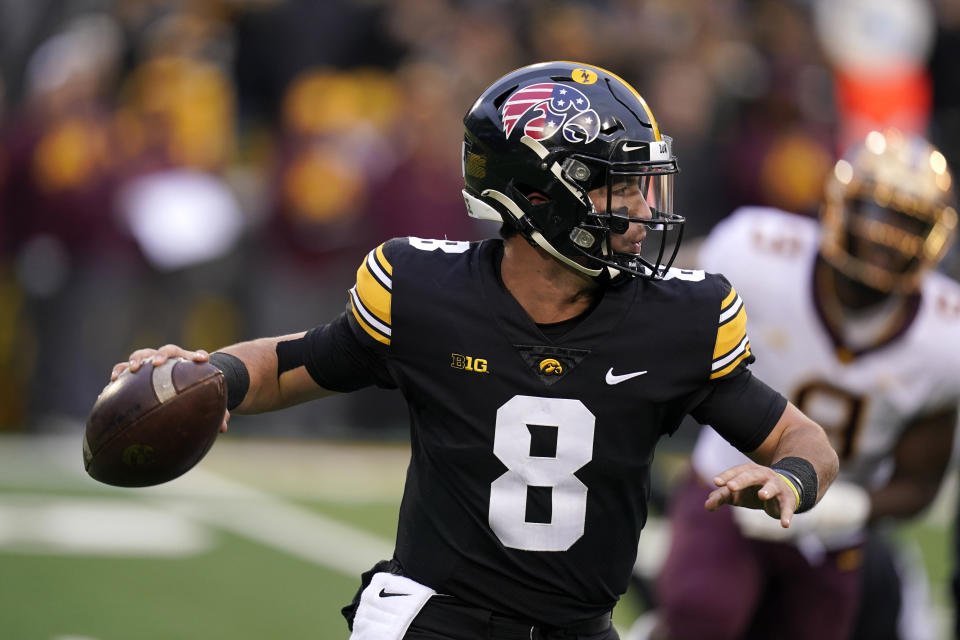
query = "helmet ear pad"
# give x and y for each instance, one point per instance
(555, 217)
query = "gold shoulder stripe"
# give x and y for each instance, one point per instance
(374, 289)
(732, 330)
(727, 301)
(719, 373)
(374, 328)
(382, 259)
(732, 345)
(371, 298)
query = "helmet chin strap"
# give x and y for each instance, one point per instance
(536, 236)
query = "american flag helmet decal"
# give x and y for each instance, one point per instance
(556, 107)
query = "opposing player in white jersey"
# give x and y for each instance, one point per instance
(849, 322)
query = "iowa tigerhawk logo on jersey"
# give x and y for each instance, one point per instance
(551, 367)
(551, 364)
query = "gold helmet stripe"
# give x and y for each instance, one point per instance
(629, 87)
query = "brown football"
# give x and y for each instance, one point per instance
(153, 425)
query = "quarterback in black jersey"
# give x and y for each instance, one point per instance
(540, 370)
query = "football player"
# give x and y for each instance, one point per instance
(849, 320)
(540, 370)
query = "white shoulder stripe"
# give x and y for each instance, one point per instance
(731, 310)
(379, 273)
(369, 317)
(730, 357)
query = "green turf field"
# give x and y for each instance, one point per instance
(265, 539)
(260, 541)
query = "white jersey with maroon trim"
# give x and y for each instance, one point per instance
(862, 399)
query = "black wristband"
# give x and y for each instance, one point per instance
(801, 471)
(236, 376)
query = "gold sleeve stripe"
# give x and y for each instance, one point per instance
(377, 263)
(376, 329)
(728, 311)
(730, 333)
(732, 345)
(374, 290)
(382, 259)
(372, 297)
(728, 299)
(728, 363)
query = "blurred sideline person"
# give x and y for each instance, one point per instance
(849, 321)
(540, 370)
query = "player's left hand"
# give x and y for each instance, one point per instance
(755, 487)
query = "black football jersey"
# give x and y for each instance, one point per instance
(529, 474)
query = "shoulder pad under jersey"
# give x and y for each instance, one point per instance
(371, 298)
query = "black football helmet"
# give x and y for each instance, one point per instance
(888, 216)
(562, 130)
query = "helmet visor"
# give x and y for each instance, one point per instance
(630, 195)
(643, 196)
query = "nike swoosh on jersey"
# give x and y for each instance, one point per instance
(387, 594)
(633, 148)
(613, 378)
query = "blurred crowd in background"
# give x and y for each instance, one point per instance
(211, 171)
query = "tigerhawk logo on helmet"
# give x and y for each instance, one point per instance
(567, 132)
(553, 103)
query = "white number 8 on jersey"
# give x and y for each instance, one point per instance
(508, 493)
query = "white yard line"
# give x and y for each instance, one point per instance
(260, 516)
(53, 463)
(46, 524)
